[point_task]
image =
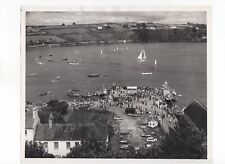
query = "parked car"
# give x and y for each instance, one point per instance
(148, 145)
(124, 141)
(124, 147)
(151, 139)
(146, 135)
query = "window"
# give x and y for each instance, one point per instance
(67, 145)
(45, 145)
(76, 143)
(56, 145)
(25, 132)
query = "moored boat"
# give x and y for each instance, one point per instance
(147, 73)
(93, 75)
(73, 63)
(32, 74)
(43, 94)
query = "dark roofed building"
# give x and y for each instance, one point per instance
(67, 132)
(197, 113)
(57, 139)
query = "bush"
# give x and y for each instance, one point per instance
(33, 150)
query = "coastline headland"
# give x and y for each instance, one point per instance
(113, 33)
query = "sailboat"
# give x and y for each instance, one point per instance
(101, 52)
(155, 62)
(142, 56)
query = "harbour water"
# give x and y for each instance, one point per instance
(182, 65)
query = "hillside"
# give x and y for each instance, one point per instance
(62, 35)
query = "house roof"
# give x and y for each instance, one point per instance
(197, 112)
(67, 132)
(29, 120)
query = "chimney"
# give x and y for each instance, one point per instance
(34, 112)
(50, 120)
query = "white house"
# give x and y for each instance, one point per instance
(173, 27)
(100, 27)
(31, 122)
(57, 139)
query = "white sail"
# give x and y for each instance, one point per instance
(140, 56)
(101, 51)
(155, 62)
(144, 55)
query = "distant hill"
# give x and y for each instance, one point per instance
(114, 33)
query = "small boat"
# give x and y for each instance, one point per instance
(155, 62)
(179, 95)
(40, 63)
(43, 94)
(117, 118)
(147, 73)
(146, 135)
(71, 93)
(93, 75)
(124, 141)
(54, 81)
(32, 74)
(64, 58)
(49, 59)
(50, 54)
(101, 52)
(73, 63)
(74, 81)
(49, 93)
(142, 56)
(58, 77)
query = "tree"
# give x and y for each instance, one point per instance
(90, 148)
(33, 150)
(184, 142)
(57, 106)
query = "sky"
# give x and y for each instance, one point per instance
(167, 17)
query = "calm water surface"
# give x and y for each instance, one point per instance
(183, 65)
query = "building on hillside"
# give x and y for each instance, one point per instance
(197, 113)
(31, 122)
(173, 27)
(99, 27)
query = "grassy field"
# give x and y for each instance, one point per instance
(91, 32)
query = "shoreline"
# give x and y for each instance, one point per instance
(90, 43)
